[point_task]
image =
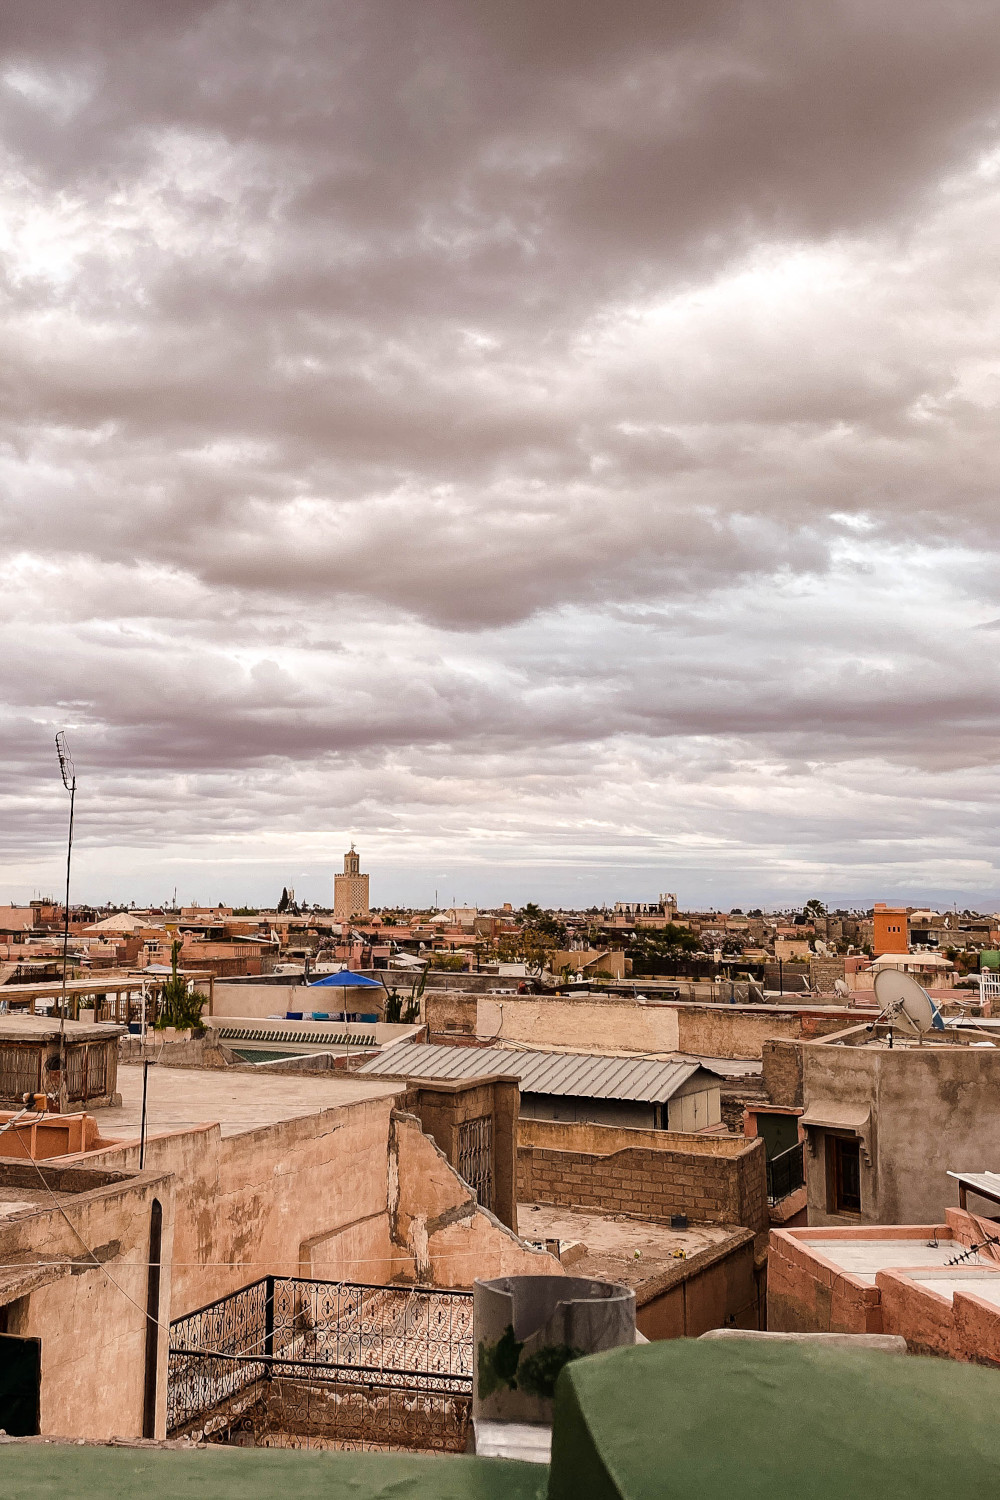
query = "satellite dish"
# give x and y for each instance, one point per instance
(821, 948)
(842, 987)
(902, 998)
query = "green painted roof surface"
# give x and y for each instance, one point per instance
(64, 1472)
(745, 1421)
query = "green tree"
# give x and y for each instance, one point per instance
(179, 1007)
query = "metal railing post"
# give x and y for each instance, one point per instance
(269, 1326)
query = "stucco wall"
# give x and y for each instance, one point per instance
(589, 1024)
(450, 1240)
(933, 1108)
(618, 1023)
(92, 1322)
(716, 1288)
(742, 1030)
(443, 1107)
(318, 1196)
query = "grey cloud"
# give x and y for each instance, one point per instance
(512, 429)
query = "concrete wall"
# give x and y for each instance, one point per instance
(91, 1321)
(652, 1174)
(718, 1287)
(616, 1023)
(932, 1108)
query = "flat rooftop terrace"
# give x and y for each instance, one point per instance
(863, 1258)
(237, 1102)
(609, 1242)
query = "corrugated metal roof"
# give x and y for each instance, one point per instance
(581, 1075)
(986, 1184)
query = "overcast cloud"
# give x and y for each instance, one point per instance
(553, 444)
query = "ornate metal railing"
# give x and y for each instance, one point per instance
(212, 1353)
(415, 1340)
(785, 1174)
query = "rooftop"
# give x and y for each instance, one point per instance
(608, 1242)
(29, 1028)
(862, 1258)
(238, 1102)
(579, 1075)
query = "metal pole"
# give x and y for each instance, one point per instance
(142, 1127)
(68, 772)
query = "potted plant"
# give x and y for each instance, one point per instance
(180, 1009)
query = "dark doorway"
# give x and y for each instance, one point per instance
(846, 1175)
(152, 1320)
(20, 1385)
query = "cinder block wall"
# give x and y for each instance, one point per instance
(650, 1181)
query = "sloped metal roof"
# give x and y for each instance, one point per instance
(985, 1184)
(581, 1075)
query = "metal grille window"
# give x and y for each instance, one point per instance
(20, 1072)
(475, 1157)
(76, 1072)
(86, 1072)
(97, 1071)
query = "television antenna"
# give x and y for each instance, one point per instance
(907, 1003)
(68, 772)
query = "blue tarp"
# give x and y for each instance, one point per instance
(346, 980)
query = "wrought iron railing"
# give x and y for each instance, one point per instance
(785, 1174)
(409, 1339)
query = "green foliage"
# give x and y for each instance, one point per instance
(283, 903)
(814, 908)
(177, 1007)
(540, 1371)
(453, 962)
(652, 942)
(497, 1364)
(500, 1365)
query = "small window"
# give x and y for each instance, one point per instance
(846, 1174)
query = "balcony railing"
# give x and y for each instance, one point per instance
(785, 1174)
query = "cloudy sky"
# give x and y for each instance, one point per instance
(553, 443)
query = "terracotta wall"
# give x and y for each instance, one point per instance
(807, 1293)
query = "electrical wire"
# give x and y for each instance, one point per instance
(99, 1264)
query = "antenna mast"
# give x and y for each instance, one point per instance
(68, 772)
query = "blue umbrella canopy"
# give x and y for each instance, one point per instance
(346, 980)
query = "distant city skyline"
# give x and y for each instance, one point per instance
(481, 886)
